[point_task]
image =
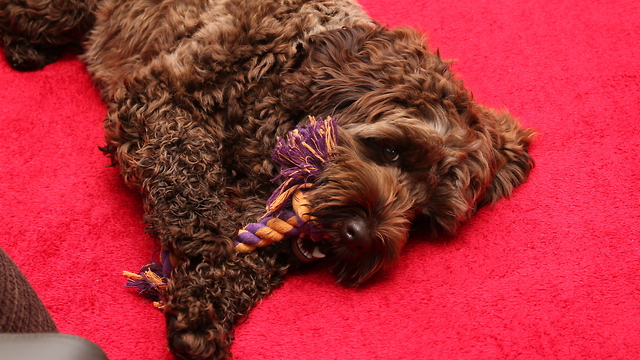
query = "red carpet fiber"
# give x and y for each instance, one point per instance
(553, 272)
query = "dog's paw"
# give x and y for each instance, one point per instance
(196, 343)
(24, 56)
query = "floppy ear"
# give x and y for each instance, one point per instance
(486, 161)
(511, 158)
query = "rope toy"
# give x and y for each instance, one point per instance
(286, 225)
(302, 155)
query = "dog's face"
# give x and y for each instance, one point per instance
(413, 146)
(367, 198)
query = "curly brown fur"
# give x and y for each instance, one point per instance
(199, 91)
(35, 32)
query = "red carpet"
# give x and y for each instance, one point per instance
(553, 272)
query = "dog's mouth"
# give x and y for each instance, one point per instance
(307, 250)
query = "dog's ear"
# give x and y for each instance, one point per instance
(486, 160)
(510, 144)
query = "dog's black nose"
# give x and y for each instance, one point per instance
(356, 236)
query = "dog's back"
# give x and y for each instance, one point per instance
(205, 39)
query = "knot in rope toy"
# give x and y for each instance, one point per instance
(302, 155)
(285, 225)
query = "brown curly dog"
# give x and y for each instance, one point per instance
(198, 93)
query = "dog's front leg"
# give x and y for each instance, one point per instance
(205, 299)
(176, 164)
(212, 286)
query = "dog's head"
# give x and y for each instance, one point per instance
(413, 145)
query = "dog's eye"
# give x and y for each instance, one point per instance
(390, 154)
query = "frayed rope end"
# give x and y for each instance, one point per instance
(148, 282)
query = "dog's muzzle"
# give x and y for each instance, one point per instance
(356, 235)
